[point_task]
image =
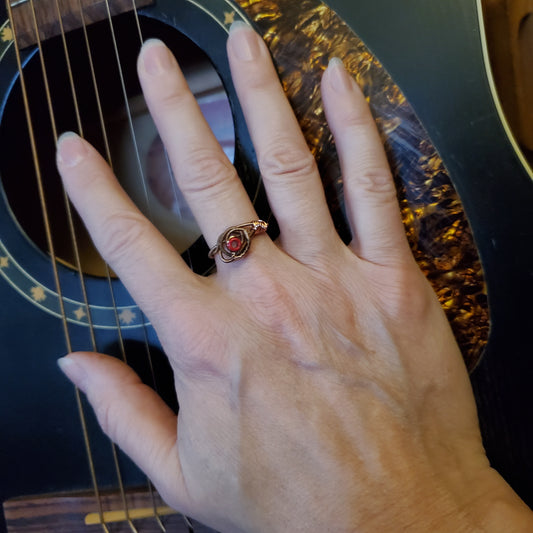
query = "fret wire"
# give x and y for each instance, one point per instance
(49, 239)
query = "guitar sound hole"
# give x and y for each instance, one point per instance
(136, 151)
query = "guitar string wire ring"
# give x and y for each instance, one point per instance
(234, 243)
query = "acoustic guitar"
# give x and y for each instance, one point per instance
(464, 188)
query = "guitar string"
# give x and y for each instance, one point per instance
(50, 106)
(67, 204)
(68, 208)
(81, 133)
(176, 194)
(109, 159)
(147, 201)
(107, 271)
(48, 233)
(150, 216)
(171, 176)
(108, 274)
(151, 488)
(174, 186)
(167, 160)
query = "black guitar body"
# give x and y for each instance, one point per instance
(434, 53)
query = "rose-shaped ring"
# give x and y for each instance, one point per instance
(234, 243)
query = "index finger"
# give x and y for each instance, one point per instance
(153, 272)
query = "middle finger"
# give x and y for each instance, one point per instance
(204, 174)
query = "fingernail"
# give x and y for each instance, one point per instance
(74, 371)
(244, 42)
(340, 80)
(70, 149)
(156, 57)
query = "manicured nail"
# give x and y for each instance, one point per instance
(74, 371)
(340, 80)
(156, 57)
(70, 149)
(244, 42)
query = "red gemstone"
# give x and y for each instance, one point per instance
(234, 244)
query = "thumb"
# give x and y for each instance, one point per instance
(133, 416)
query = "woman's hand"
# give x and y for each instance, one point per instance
(320, 386)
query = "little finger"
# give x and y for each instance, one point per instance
(370, 194)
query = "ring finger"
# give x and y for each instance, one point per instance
(289, 170)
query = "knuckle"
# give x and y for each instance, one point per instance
(120, 232)
(274, 300)
(373, 181)
(357, 119)
(205, 171)
(285, 161)
(406, 295)
(197, 347)
(202, 358)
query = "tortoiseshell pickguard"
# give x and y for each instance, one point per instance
(302, 37)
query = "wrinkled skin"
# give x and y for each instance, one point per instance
(320, 386)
